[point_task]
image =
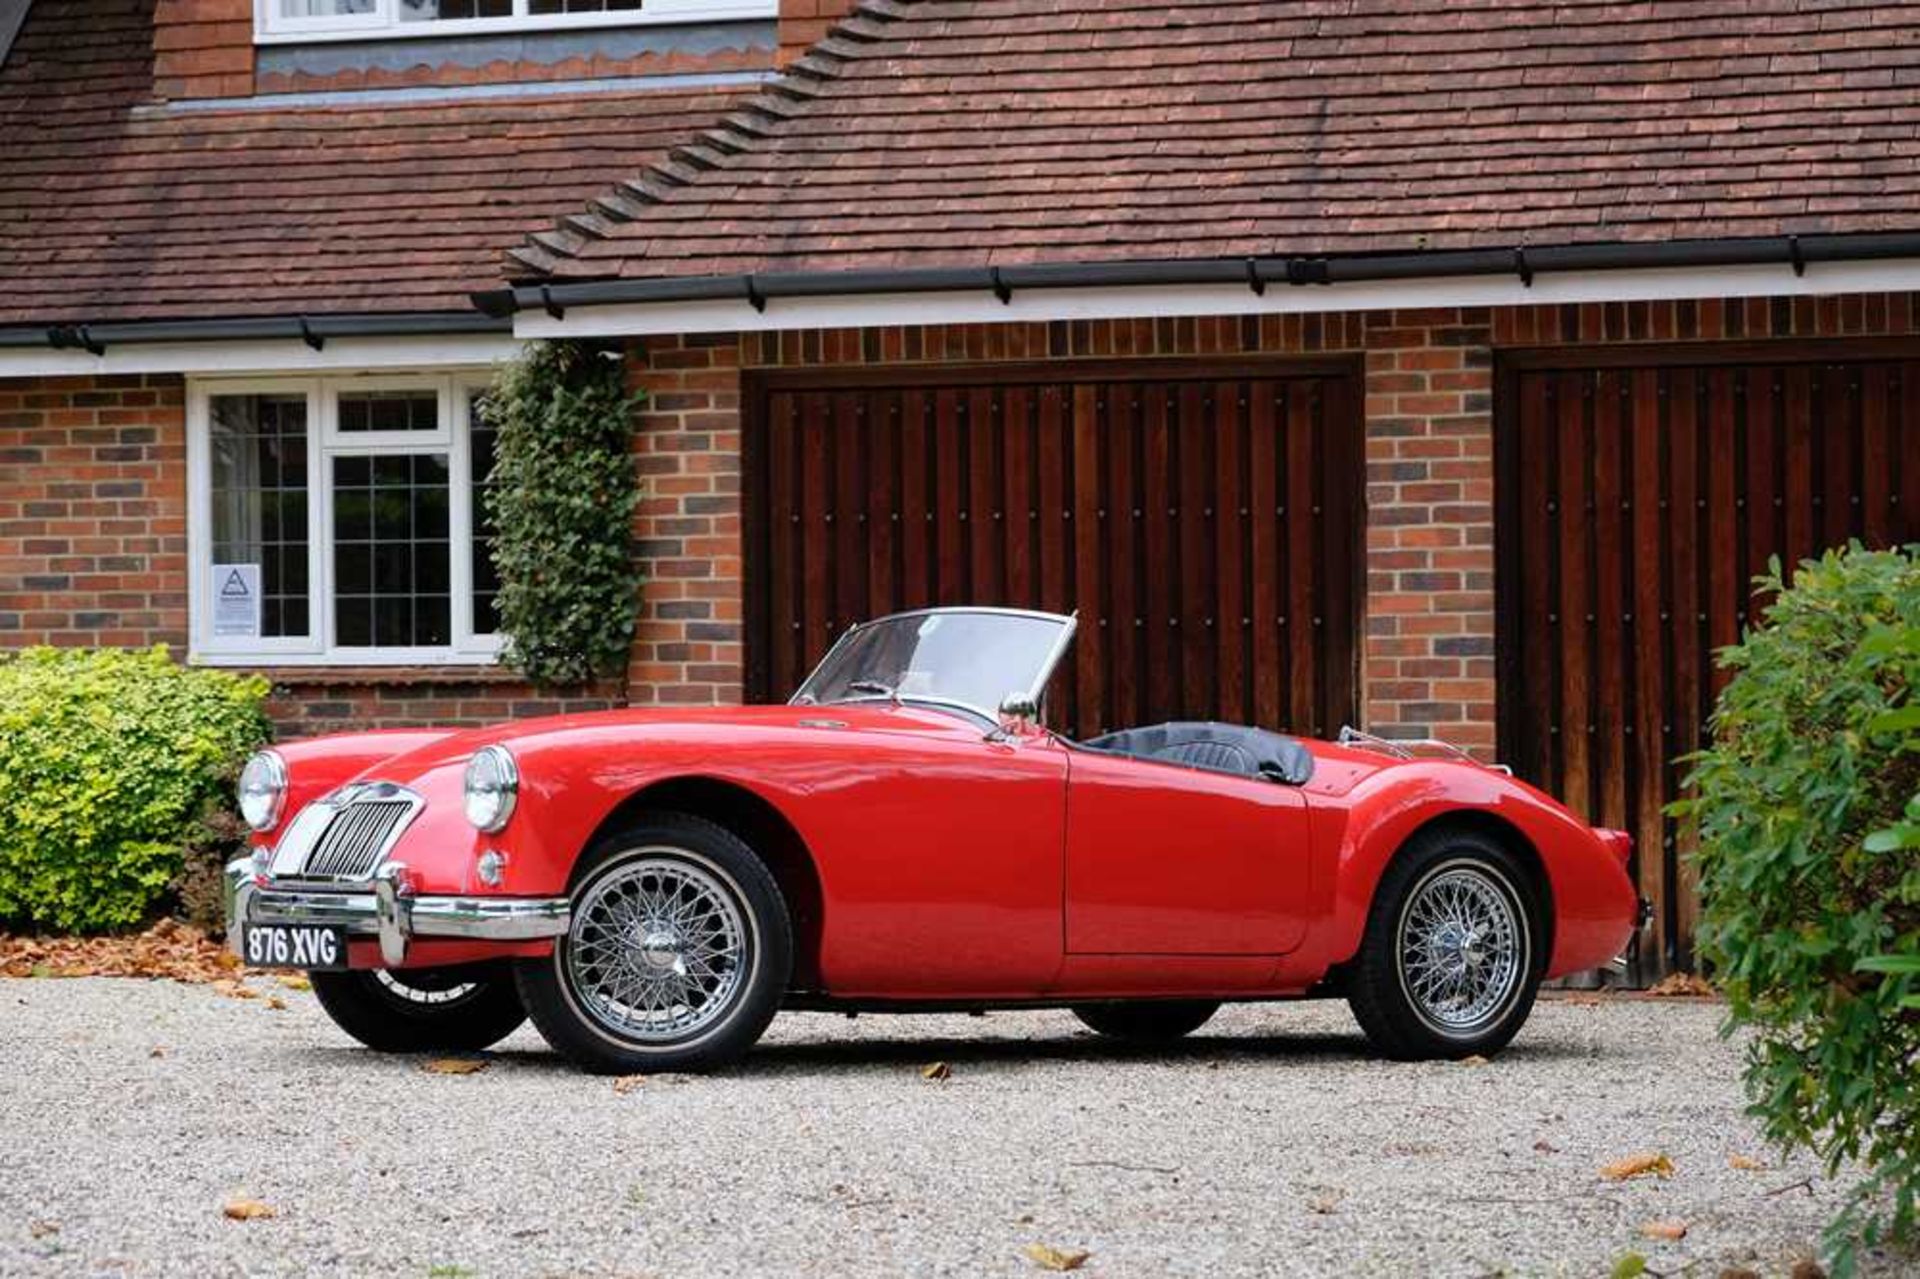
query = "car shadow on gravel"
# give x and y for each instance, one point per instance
(889, 1054)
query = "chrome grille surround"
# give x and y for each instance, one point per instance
(343, 837)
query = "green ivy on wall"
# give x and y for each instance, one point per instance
(561, 498)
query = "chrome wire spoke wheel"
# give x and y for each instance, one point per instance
(659, 947)
(1463, 949)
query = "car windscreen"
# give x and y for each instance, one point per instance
(971, 658)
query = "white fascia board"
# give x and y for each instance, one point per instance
(1155, 301)
(275, 355)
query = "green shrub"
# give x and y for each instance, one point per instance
(1808, 805)
(110, 762)
(562, 497)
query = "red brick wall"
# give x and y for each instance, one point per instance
(203, 48)
(93, 497)
(804, 22)
(311, 703)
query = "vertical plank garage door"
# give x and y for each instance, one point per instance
(1639, 493)
(1203, 519)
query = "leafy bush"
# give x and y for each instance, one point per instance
(109, 764)
(562, 499)
(1808, 805)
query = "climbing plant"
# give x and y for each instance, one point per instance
(561, 499)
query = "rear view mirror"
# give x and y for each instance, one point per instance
(1018, 710)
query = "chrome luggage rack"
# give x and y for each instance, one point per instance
(1413, 748)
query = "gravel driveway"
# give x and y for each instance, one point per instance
(130, 1112)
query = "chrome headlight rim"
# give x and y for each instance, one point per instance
(489, 807)
(249, 792)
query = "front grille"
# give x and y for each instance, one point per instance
(355, 838)
(344, 836)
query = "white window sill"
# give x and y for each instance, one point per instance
(349, 659)
(318, 31)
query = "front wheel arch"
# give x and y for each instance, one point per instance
(754, 821)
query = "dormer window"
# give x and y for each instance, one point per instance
(289, 21)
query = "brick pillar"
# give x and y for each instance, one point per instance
(1430, 623)
(688, 644)
(803, 22)
(203, 49)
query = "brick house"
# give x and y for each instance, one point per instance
(1447, 370)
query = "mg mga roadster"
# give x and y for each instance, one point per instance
(650, 887)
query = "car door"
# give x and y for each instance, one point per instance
(940, 855)
(1169, 859)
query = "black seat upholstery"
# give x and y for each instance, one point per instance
(1223, 748)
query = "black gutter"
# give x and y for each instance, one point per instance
(1524, 262)
(314, 330)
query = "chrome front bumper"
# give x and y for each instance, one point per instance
(386, 907)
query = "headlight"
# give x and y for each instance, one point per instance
(263, 789)
(492, 782)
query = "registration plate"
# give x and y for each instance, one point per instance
(308, 946)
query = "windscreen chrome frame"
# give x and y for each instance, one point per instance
(1070, 622)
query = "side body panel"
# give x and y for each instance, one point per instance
(1168, 860)
(939, 853)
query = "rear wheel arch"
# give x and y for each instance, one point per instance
(1466, 820)
(758, 824)
(1502, 832)
(1458, 975)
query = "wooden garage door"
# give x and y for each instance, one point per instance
(1204, 520)
(1637, 501)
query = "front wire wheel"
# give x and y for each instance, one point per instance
(1451, 959)
(678, 955)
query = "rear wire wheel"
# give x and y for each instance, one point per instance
(1453, 951)
(419, 1010)
(1147, 1021)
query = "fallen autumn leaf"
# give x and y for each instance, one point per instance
(1645, 1164)
(1050, 1258)
(1670, 1230)
(453, 1066)
(1745, 1163)
(938, 1070)
(243, 1209)
(629, 1083)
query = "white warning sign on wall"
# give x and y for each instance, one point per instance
(236, 599)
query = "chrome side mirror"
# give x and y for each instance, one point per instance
(1018, 710)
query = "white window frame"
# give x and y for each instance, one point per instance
(383, 23)
(325, 441)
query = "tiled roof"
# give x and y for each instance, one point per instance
(929, 133)
(113, 209)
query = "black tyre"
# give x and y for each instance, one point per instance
(1147, 1021)
(677, 958)
(424, 1010)
(1453, 951)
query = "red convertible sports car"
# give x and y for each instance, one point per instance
(650, 887)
